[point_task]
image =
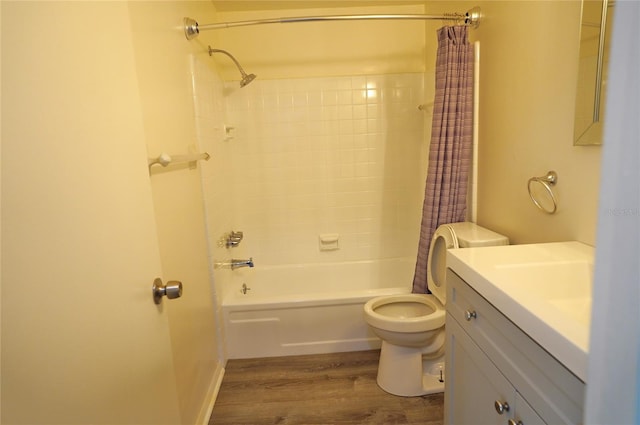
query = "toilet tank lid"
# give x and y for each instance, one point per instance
(470, 235)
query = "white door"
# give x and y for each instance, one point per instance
(82, 340)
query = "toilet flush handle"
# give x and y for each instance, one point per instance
(468, 315)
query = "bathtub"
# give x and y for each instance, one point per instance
(307, 309)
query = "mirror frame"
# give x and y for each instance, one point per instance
(592, 133)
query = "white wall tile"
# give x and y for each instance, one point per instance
(318, 155)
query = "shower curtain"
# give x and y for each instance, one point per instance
(450, 151)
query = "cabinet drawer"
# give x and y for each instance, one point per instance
(549, 388)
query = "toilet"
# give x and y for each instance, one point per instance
(411, 326)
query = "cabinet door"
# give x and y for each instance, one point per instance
(524, 413)
(473, 383)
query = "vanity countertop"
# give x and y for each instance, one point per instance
(545, 289)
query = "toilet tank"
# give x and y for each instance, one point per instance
(471, 235)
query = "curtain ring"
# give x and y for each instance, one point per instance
(547, 181)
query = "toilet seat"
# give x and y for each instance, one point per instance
(443, 239)
(428, 314)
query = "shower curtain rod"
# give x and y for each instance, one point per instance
(192, 28)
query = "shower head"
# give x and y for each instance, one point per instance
(246, 78)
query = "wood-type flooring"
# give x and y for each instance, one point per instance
(324, 389)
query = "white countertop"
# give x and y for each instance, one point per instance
(545, 289)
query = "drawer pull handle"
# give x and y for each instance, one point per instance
(468, 315)
(512, 422)
(501, 406)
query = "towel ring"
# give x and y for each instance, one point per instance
(547, 181)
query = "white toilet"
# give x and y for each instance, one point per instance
(411, 326)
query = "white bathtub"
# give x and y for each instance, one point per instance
(308, 309)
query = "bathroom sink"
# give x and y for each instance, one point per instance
(545, 289)
(565, 285)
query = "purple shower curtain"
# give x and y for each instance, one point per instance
(450, 152)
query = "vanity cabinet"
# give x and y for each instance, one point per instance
(496, 374)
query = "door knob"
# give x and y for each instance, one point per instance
(501, 406)
(173, 289)
(470, 314)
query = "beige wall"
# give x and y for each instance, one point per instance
(528, 77)
(0, 235)
(163, 63)
(322, 48)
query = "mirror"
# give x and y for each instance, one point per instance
(595, 29)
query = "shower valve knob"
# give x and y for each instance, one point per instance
(233, 239)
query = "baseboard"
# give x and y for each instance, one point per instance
(212, 394)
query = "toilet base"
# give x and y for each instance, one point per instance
(400, 371)
(432, 384)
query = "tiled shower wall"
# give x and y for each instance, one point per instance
(216, 173)
(320, 157)
(294, 160)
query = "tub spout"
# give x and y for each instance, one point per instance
(236, 264)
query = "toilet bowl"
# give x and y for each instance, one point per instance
(405, 319)
(411, 326)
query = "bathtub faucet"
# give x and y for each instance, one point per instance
(236, 264)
